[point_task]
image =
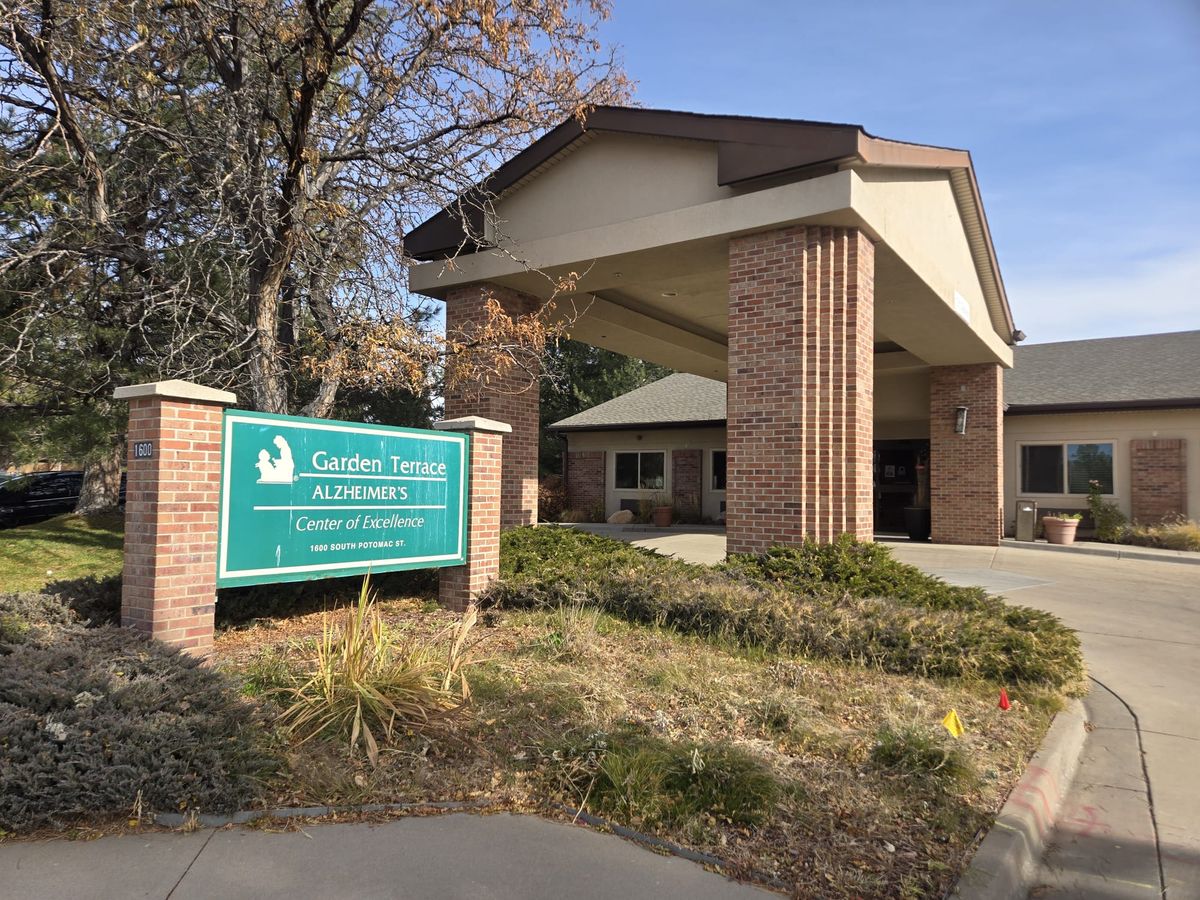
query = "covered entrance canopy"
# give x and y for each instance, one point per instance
(843, 285)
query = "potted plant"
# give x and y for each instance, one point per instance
(917, 519)
(662, 512)
(1060, 528)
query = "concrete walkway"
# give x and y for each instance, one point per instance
(1133, 811)
(473, 857)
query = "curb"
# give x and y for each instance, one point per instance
(1110, 551)
(1004, 866)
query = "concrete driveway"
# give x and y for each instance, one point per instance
(1132, 821)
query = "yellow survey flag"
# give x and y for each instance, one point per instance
(953, 724)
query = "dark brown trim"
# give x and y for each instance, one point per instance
(641, 426)
(1039, 409)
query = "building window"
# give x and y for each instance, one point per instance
(718, 470)
(1066, 468)
(641, 471)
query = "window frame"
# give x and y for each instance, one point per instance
(1066, 466)
(641, 490)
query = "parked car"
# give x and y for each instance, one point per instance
(41, 495)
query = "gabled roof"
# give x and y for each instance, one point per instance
(675, 401)
(1137, 372)
(748, 149)
(1146, 371)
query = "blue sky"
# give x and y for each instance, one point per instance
(1083, 119)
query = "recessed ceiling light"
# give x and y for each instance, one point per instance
(618, 274)
(670, 293)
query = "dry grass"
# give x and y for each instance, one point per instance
(833, 778)
(1182, 534)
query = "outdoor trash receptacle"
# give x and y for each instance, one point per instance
(1026, 519)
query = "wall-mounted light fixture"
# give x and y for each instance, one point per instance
(960, 420)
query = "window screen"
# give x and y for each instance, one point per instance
(1042, 469)
(627, 471)
(652, 476)
(1087, 463)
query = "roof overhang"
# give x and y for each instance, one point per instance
(748, 150)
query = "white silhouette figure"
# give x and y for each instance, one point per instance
(276, 471)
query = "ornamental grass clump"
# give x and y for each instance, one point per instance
(367, 684)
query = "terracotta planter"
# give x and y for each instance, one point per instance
(662, 515)
(1059, 531)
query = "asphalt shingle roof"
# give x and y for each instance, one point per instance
(1150, 368)
(675, 400)
(1147, 369)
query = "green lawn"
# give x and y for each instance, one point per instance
(60, 548)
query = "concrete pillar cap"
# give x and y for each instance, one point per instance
(473, 423)
(175, 390)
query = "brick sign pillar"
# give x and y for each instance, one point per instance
(168, 587)
(458, 586)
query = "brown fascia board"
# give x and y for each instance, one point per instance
(1042, 409)
(748, 148)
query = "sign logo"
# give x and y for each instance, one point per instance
(276, 471)
(313, 498)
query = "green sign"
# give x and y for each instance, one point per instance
(312, 498)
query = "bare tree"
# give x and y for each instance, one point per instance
(218, 189)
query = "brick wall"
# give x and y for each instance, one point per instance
(168, 587)
(800, 401)
(1158, 479)
(585, 479)
(966, 471)
(685, 480)
(506, 398)
(459, 585)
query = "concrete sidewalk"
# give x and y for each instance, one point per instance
(460, 855)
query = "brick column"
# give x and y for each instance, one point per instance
(507, 398)
(1158, 479)
(800, 398)
(459, 585)
(169, 583)
(966, 471)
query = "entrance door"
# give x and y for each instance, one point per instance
(895, 481)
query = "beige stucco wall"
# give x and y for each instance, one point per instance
(1099, 427)
(611, 178)
(666, 439)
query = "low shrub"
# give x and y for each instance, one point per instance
(861, 569)
(640, 778)
(981, 637)
(101, 722)
(552, 498)
(1107, 518)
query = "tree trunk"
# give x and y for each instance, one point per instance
(101, 491)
